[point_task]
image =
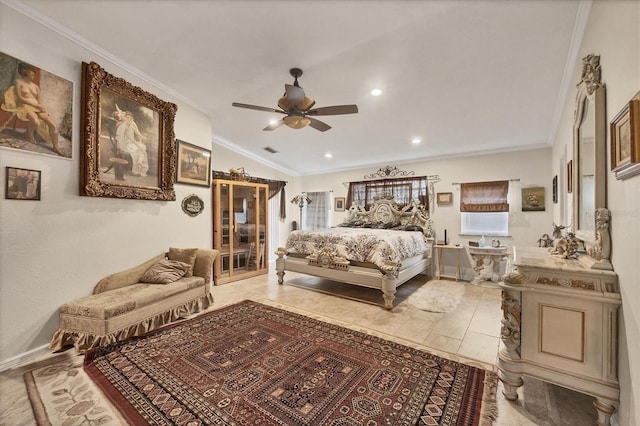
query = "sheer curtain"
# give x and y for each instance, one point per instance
(317, 212)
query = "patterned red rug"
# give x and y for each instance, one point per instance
(250, 363)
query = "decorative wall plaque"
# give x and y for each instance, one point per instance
(192, 205)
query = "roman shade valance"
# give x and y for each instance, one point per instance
(484, 196)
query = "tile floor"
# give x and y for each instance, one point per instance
(470, 332)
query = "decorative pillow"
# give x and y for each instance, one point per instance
(165, 271)
(186, 255)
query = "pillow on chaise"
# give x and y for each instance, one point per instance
(186, 255)
(165, 271)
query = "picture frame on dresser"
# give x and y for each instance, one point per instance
(625, 140)
(193, 164)
(128, 142)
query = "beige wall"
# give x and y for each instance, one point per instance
(56, 249)
(524, 227)
(613, 32)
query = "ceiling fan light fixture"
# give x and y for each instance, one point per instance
(285, 104)
(296, 121)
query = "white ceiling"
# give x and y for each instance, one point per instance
(463, 76)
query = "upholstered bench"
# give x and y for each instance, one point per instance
(124, 305)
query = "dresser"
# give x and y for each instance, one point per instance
(560, 325)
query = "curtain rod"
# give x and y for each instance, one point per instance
(510, 180)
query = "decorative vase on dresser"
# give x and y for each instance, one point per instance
(239, 229)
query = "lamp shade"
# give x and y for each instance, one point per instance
(296, 122)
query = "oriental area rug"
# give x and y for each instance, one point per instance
(251, 363)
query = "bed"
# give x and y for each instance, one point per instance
(380, 248)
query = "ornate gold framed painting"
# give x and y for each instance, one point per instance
(625, 140)
(128, 142)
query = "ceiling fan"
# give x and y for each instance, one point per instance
(296, 107)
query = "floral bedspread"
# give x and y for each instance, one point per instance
(376, 246)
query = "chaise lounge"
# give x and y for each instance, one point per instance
(134, 301)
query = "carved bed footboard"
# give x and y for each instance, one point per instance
(386, 278)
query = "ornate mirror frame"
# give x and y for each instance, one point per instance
(590, 216)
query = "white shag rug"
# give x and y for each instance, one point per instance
(437, 296)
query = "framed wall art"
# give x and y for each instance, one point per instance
(22, 184)
(193, 165)
(444, 198)
(339, 203)
(36, 109)
(625, 140)
(192, 205)
(128, 141)
(533, 199)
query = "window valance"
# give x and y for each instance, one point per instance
(275, 187)
(484, 196)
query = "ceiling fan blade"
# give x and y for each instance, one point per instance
(295, 96)
(334, 110)
(318, 125)
(259, 108)
(274, 125)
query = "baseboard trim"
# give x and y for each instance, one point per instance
(24, 357)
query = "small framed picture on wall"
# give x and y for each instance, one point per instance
(338, 204)
(625, 140)
(22, 184)
(444, 198)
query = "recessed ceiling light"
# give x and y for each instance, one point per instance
(415, 141)
(328, 155)
(376, 92)
(272, 122)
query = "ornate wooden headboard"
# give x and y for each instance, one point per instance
(386, 210)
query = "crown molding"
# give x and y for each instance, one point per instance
(579, 28)
(65, 32)
(218, 140)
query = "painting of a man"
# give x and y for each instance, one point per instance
(35, 109)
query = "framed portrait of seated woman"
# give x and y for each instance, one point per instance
(36, 109)
(128, 142)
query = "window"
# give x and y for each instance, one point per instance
(495, 224)
(317, 214)
(403, 190)
(484, 208)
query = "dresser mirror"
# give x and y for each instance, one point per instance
(590, 216)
